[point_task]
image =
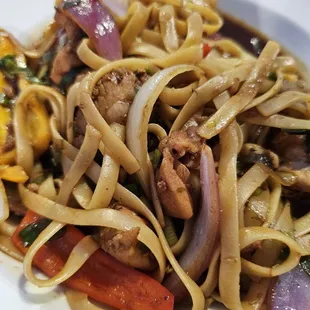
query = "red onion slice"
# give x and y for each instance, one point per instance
(291, 291)
(197, 256)
(96, 21)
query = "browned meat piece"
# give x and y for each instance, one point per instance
(184, 145)
(124, 245)
(172, 186)
(118, 88)
(291, 150)
(15, 203)
(10, 140)
(66, 59)
(113, 95)
(181, 142)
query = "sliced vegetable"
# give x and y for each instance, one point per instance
(197, 256)
(169, 231)
(272, 76)
(290, 291)
(155, 157)
(13, 174)
(206, 49)
(135, 189)
(102, 277)
(31, 232)
(97, 23)
(11, 68)
(5, 100)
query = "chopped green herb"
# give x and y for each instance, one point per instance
(71, 3)
(135, 189)
(31, 232)
(169, 269)
(169, 232)
(68, 78)
(137, 88)
(148, 71)
(155, 157)
(211, 124)
(257, 192)
(305, 264)
(48, 56)
(55, 159)
(38, 180)
(4, 100)
(11, 69)
(272, 76)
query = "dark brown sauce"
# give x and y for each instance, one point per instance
(250, 38)
(254, 41)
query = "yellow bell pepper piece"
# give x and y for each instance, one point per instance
(6, 46)
(37, 116)
(13, 174)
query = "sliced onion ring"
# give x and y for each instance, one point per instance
(96, 21)
(197, 256)
(290, 291)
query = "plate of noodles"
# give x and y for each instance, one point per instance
(153, 155)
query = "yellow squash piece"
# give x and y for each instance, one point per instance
(37, 116)
(13, 174)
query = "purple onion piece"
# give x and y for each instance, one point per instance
(96, 21)
(290, 291)
(197, 256)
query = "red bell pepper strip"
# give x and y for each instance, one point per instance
(102, 277)
(206, 48)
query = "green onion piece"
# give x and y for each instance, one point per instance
(169, 232)
(38, 180)
(4, 100)
(257, 192)
(10, 69)
(155, 157)
(69, 78)
(272, 76)
(148, 71)
(31, 232)
(135, 188)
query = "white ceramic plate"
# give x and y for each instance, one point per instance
(286, 21)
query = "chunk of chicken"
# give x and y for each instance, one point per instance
(66, 58)
(113, 95)
(124, 245)
(184, 146)
(173, 187)
(291, 150)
